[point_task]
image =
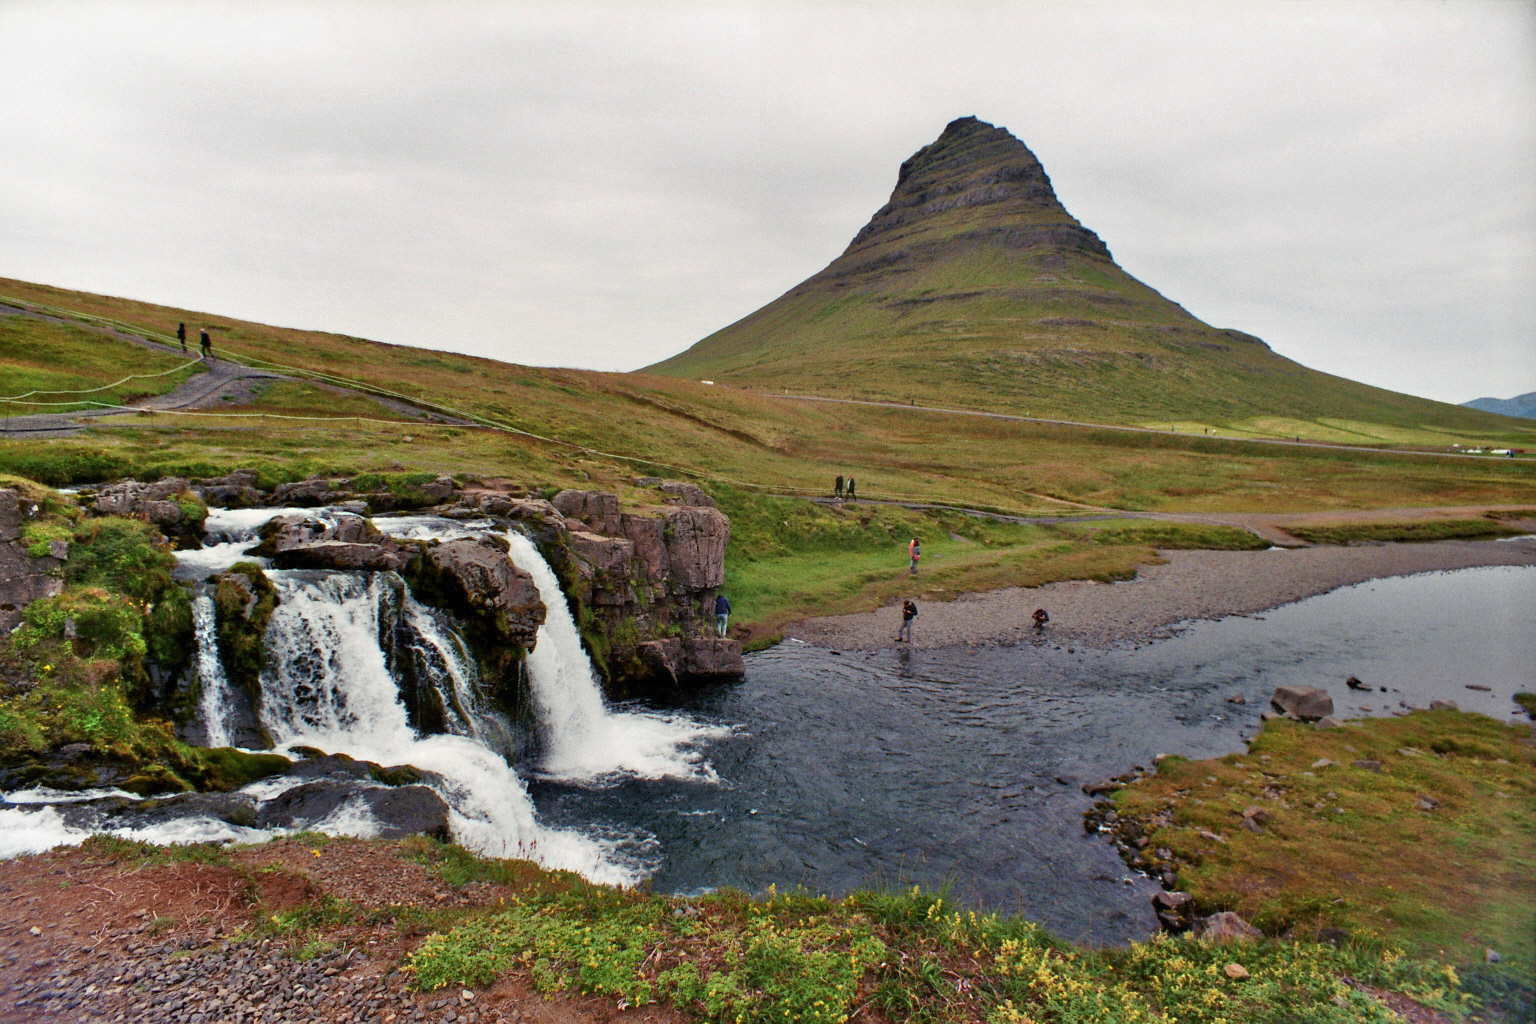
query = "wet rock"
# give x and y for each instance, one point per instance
(1101, 786)
(304, 493)
(342, 541)
(398, 810)
(477, 576)
(1225, 927)
(1443, 705)
(1355, 684)
(1174, 910)
(1308, 703)
(1329, 722)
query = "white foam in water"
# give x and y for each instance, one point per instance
(328, 686)
(44, 795)
(584, 739)
(24, 832)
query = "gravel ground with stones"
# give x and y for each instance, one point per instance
(87, 938)
(1188, 585)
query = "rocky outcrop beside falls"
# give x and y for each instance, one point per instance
(646, 582)
(25, 576)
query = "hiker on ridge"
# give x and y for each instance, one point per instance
(848, 490)
(205, 343)
(837, 487)
(914, 552)
(181, 336)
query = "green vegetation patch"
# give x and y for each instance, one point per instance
(1419, 530)
(910, 955)
(1420, 829)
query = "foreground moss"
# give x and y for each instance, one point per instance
(907, 955)
(1420, 829)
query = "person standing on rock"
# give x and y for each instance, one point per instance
(914, 552)
(848, 490)
(837, 487)
(722, 614)
(181, 336)
(908, 613)
(205, 343)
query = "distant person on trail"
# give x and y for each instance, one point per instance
(914, 552)
(837, 488)
(1040, 618)
(908, 613)
(722, 613)
(849, 489)
(205, 343)
(181, 335)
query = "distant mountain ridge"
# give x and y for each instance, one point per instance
(974, 286)
(1523, 406)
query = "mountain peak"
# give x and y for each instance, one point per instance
(974, 185)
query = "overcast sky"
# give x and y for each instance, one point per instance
(602, 184)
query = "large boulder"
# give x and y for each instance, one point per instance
(696, 540)
(234, 490)
(1225, 927)
(169, 503)
(1308, 703)
(596, 510)
(477, 576)
(605, 563)
(337, 541)
(305, 493)
(24, 577)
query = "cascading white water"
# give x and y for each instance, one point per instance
(584, 739)
(213, 701)
(327, 685)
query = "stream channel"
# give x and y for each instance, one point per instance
(957, 768)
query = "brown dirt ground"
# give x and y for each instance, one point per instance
(84, 904)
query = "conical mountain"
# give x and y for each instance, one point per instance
(974, 287)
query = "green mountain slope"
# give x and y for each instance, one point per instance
(975, 287)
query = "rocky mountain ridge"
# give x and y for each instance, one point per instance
(973, 287)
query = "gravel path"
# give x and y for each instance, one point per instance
(1189, 585)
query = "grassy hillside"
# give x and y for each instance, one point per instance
(567, 427)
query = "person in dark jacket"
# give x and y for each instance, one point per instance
(848, 489)
(181, 335)
(205, 343)
(837, 487)
(908, 613)
(722, 613)
(1040, 618)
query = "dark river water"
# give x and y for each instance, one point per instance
(962, 767)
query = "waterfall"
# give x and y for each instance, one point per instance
(584, 739)
(327, 685)
(213, 701)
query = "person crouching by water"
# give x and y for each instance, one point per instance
(1040, 619)
(722, 614)
(908, 613)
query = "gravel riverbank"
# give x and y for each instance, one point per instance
(1188, 585)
